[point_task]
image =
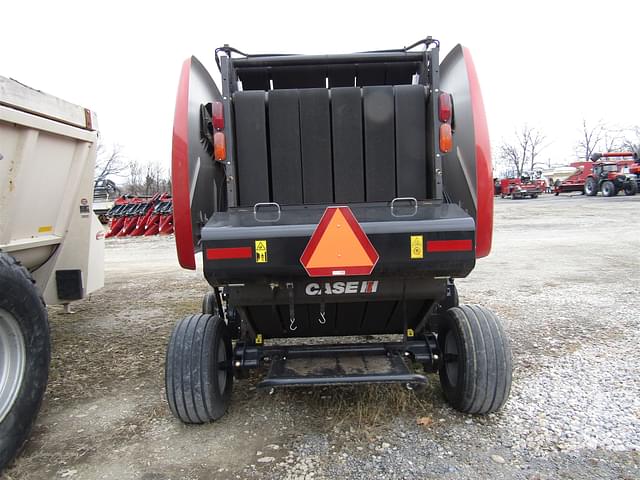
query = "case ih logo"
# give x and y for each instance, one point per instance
(341, 288)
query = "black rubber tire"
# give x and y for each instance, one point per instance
(534, 195)
(483, 365)
(192, 386)
(630, 188)
(209, 303)
(591, 187)
(20, 297)
(608, 189)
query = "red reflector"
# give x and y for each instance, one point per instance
(444, 107)
(229, 253)
(219, 147)
(218, 116)
(434, 246)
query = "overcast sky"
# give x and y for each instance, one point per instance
(542, 63)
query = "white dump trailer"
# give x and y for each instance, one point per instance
(51, 243)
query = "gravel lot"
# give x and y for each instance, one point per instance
(564, 277)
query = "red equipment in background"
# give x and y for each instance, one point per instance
(519, 188)
(609, 173)
(575, 182)
(629, 162)
(135, 216)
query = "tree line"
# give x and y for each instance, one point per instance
(522, 153)
(132, 176)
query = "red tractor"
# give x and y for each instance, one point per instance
(612, 176)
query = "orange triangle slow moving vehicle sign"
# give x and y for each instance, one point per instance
(338, 246)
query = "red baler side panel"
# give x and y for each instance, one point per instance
(484, 170)
(180, 174)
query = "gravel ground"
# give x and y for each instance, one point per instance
(563, 276)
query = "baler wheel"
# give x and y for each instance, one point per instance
(198, 371)
(209, 303)
(591, 187)
(608, 188)
(476, 370)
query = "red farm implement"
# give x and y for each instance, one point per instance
(330, 196)
(608, 173)
(520, 188)
(136, 216)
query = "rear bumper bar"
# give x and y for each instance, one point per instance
(445, 232)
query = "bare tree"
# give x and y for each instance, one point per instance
(537, 143)
(146, 179)
(134, 182)
(631, 139)
(109, 161)
(590, 139)
(612, 139)
(511, 156)
(524, 151)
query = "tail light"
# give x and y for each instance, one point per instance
(444, 114)
(444, 107)
(219, 147)
(446, 138)
(218, 116)
(219, 143)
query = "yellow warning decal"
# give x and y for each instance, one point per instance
(410, 332)
(261, 251)
(417, 246)
(258, 339)
(45, 229)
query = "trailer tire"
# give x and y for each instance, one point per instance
(608, 189)
(198, 370)
(475, 373)
(25, 344)
(591, 187)
(630, 188)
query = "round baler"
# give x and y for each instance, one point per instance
(334, 196)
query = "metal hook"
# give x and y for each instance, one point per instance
(322, 318)
(292, 314)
